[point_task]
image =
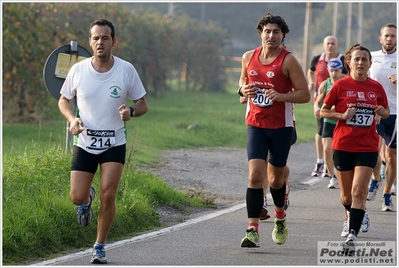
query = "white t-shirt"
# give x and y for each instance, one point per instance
(98, 97)
(383, 65)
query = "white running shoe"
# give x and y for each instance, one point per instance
(393, 189)
(345, 229)
(373, 187)
(350, 243)
(318, 170)
(387, 204)
(382, 170)
(84, 213)
(333, 183)
(366, 224)
(98, 255)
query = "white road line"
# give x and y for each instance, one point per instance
(157, 233)
(142, 236)
(312, 181)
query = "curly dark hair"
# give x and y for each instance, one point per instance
(273, 19)
(348, 54)
(104, 22)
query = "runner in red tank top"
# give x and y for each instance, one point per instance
(272, 79)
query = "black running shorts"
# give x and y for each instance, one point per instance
(320, 124)
(84, 161)
(345, 161)
(387, 129)
(328, 130)
(273, 142)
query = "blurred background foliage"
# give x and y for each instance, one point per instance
(160, 47)
(174, 46)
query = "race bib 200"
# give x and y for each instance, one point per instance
(261, 100)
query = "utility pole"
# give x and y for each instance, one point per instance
(202, 15)
(170, 9)
(359, 23)
(348, 26)
(335, 19)
(307, 35)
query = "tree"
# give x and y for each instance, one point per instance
(158, 46)
(23, 49)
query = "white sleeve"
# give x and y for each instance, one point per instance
(133, 82)
(68, 89)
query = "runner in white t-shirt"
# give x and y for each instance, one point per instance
(101, 85)
(383, 70)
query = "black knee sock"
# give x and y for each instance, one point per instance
(355, 219)
(348, 207)
(278, 196)
(254, 202)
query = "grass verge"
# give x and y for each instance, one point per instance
(39, 219)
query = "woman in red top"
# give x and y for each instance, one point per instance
(357, 100)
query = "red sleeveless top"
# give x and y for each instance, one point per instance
(261, 112)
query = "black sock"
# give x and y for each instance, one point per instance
(278, 196)
(348, 207)
(356, 219)
(254, 202)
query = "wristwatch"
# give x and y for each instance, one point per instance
(239, 91)
(132, 111)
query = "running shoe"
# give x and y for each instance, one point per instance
(98, 254)
(393, 189)
(345, 229)
(251, 239)
(333, 183)
(85, 213)
(317, 170)
(325, 174)
(264, 214)
(366, 222)
(349, 245)
(387, 204)
(382, 170)
(373, 187)
(280, 232)
(286, 199)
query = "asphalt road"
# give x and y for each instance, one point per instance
(213, 239)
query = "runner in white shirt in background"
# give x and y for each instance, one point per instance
(383, 69)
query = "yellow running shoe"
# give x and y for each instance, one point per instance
(251, 239)
(280, 232)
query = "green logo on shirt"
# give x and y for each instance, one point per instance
(115, 92)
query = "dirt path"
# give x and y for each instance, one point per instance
(220, 174)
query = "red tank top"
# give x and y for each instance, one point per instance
(261, 112)
(321, 73)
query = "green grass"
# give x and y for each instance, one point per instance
(39, 219)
